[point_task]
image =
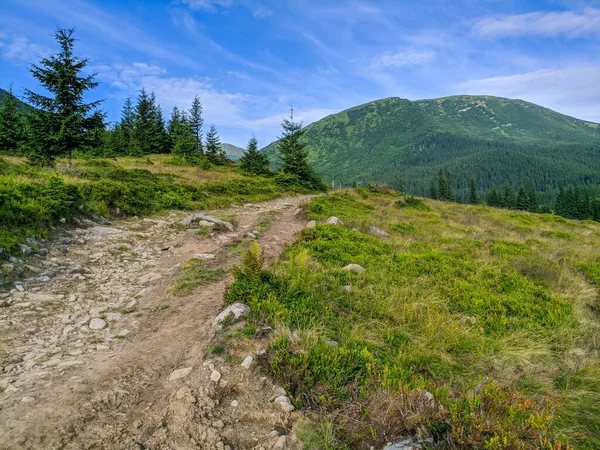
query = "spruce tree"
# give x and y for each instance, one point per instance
(433, 192)
(182, 136)
(473, 196)
(295, 156)
(444, 192)
(522, 202)
(62, 122)
(197, 122)
(213, 146)
(127, 125)
(150, 135)
(509, 199)
(253, 161)
(12, 126)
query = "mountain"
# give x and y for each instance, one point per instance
(23, 107)
(399, 141)
(233, 151)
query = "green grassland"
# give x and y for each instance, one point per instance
(495, 313)
(34, 199)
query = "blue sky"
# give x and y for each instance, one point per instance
(249, 59)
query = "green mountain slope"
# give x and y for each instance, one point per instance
(23, 107)
(500, 140)
(233, 151)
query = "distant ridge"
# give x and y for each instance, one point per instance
(500, 140)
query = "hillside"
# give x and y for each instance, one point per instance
(233, 151)
(469, 324)
(500, 140)
(23, 107)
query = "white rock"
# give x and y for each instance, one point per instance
(284, 403)
(334, 221)
(247, 363)
(124, 332)
(281, 443)
(180, 373)
(234, 403)
(149, 277)
(28, 399)
(311, 224)
(354, 268)
(204, 256)
(114, 317)
(215, 376)
(103, 230)
(237, 311)
(195, 217)
(379, 232)
(102, 347)
(251, 235)
(97, 324)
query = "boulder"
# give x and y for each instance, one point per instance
(180, 373)
(247, 363)
(311, 224)
(334, 221)
(97, 324)
(354, 268)
(235, 312)
(379, 232)
(195, 217)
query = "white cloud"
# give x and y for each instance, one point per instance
(18, 48)
(573, 91)
(405, 58)
(208, 5)
(262, 13)
(571, 24)
(237, 115)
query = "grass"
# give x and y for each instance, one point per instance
(498, 324)
(196, 273)
(32, 200)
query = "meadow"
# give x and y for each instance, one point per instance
(473, 325)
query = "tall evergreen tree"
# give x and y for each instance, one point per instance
(522, 202)
(253, 161)
(493, 198)
(12, 126)
(433, 192)
(197, 122)
(294, 154)
(473, 196)
(150, 135)
(444, 191)
(213, 147)
(63, 122)
(509, 199)
(182, 136)
(127, 124)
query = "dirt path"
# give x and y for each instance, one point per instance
(69, 386)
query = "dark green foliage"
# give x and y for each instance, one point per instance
(196, 122)
(62, 123)
(295, 156)
(498, 140)
(412, 202)
(254, 162)
(473, 196)
(182, 137)
(149, 134)
(12, 125)
(22, 107)
(444, 191)
(214, 152)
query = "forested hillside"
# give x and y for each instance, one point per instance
(498, 140)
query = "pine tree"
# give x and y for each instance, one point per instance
(473, 196)
(444, 192)
(182, 136)
(63, 122)
(197, 122)
(509, 199)
(12, 126)
(127, 125)
(522, 202)
(253, 161)
(295, 156)
(150, 135)
(493, 198)
(213, 146)
(433, 192)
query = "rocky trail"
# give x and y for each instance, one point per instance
(96, 352)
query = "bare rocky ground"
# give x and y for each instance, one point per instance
(97, 353)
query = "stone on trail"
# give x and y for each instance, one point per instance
(247, 363)
(180, 373)
(215, 376)
(149, 277)
(234, 403)
(311, 224)
(195, 217)
(235, 312)
(97, 324)
(204, 256)
(379, 232)
(284, 403)
(102, 231)
(114, 317)
(354, 268)
(334, 221)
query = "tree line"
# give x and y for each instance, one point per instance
(571, 202)
(63, 124)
